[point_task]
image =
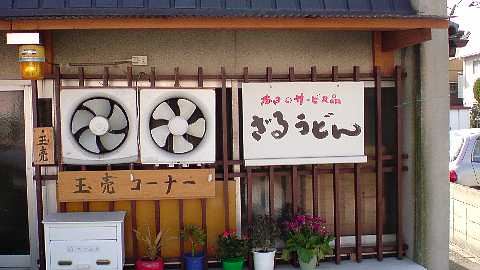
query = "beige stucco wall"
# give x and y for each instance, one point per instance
(432, 163)
(430, 7)
(8, 53)
(190, 49)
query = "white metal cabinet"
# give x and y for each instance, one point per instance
(85, 241)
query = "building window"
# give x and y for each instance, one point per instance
(476, 66)
(453, 89)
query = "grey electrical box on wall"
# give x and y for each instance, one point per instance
(139, 60)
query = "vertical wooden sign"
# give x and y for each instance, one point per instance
(43, 146)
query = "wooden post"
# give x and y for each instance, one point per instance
(379, 163)
(398, 156)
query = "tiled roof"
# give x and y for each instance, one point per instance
(206, 8)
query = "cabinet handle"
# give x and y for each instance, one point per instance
(103, 262)
(64, 262)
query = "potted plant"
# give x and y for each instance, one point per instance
(264, 234)
(309, 238)
(153, 243)
(193, 260)
(232, 250)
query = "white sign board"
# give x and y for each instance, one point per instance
(292, 123)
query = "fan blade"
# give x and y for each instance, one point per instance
(111, 141)
(197, 129)
(100, 106)
(119, 131)
(81, 118)
(173, 103)
(169, 143)
(163, 111)
(118, 119)
(186, 108)
(180, 145)
(88, 141)
(112, 103)
(100, 145)
(157, 122)
(160, 135)
(192, 139)
(197, 114)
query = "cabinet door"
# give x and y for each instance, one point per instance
(84, 255)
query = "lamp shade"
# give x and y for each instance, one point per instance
(31, 59)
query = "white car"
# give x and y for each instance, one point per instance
(465, 157)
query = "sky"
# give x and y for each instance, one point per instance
(469, 20)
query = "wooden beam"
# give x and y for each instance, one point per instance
(48, 44)
(5, 25)
(365, 24)
(394, 40)
(383, 59)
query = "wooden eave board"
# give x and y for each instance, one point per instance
(359, 24)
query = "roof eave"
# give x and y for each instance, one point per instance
(357, 23)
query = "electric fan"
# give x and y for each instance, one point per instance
(99, 125)
(177, 125)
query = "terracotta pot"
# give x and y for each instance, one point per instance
(142, 264)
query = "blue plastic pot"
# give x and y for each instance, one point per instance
(194, 262)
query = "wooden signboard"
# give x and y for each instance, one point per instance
(43, 146)
(135, 185)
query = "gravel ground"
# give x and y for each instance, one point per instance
(462, 260)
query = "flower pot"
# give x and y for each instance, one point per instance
(142, 264)
(264, 260)
(194, 262)
(233, 263)
(310, 265)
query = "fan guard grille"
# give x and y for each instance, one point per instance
(114, 134)
(177, 125)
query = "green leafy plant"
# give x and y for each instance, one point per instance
(476, 90)
(195, 235)
(231, 246)
(265, 233)
(153, 243)
(308, 237)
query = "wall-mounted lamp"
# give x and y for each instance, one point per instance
(31, 59)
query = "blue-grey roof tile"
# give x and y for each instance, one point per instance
(133, 3)
(382, 5)
(79, 3)
(106, 3)
(206, 8)
(6, 4)
(311, 4)
(288, 4)
(237, 4)
(359, 5)
(262, 4)
(55, 3)
(158, 4)
(335, 5)
(25, 3)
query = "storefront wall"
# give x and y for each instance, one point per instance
(190, 49)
